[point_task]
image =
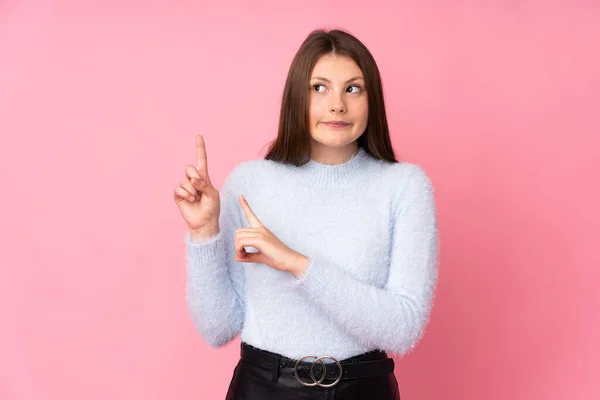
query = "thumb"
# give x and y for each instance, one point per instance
(253, 257)
(207, 188)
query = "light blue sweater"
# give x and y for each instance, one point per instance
(369, 230)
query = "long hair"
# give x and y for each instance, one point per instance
(292, 145)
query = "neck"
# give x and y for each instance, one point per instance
(331, 156)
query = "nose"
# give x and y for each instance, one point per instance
(337, 103)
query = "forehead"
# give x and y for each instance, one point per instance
(335, 67)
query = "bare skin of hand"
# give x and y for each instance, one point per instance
(272, 251)
(198, 200)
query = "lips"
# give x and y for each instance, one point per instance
(337, 124)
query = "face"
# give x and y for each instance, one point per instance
(338, 107)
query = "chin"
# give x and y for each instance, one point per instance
(334, 140)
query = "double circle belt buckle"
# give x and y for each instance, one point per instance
(318, 382)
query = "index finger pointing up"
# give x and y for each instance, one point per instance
(201, 155)
(252, 218)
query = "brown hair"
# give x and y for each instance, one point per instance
(292, 145)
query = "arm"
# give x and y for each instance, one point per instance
(215, 287)
(391, 318)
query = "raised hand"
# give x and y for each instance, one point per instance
(272, 251)
(198, 200)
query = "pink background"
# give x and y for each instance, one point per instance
(99, 105)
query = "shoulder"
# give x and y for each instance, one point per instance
(253, 167)
(245, 173)
(409, 183)
(407, 176)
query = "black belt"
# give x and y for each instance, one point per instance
(310, 372)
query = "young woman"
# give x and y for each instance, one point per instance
(322, 256)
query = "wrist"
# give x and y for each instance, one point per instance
(300, 266)
(205, 232)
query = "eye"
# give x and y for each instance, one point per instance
(316, 87)
(355, 86)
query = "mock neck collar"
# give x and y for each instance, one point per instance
(338, 175)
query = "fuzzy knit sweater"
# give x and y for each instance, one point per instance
(369, 230)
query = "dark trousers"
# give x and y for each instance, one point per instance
(262, 375)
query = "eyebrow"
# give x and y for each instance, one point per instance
(327, 80)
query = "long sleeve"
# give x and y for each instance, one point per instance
(392, 318)
(215, 286)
